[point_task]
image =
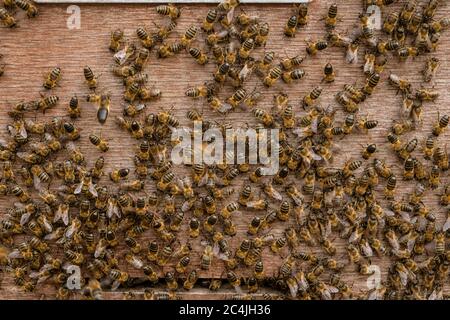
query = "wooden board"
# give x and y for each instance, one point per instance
(45, 42)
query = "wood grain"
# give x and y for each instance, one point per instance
(45, 42)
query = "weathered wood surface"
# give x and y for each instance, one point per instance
(45, 42)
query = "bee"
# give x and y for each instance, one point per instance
(401, 127)
(115, 40)
(366, 125)
(291, 26)
(52, 78)
(369, 151)
(262, 36)
(100, 143)
(311, 98)
(439, 25)
(7, 19)
(313, 47)
(194, 227)
(210, 19)
(390, 22)
(440, 157)
(272, 76)
(440, 126)
(221, 72)
(169, 10)
(330, 19)
(302, 14)
(284, 211)
(118, 174)
(401, 84)
(351, 55)
(236, 99)
(264, 117)
(371, 83)
(426, 95)
(389, 190)
(206, 258)
(290, 76)
(198, 55)
(408, 169)
(431, 67)
(435, 177)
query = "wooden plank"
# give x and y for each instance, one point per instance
(42, 43)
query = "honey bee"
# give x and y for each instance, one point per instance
(440, 157)
(263, 116)
(369, 151)
(311, 98)
(115, 40)
(440, 126)
(52, 78)
(263, 33)
(198, 55)
(351, 55)
(210, 19)
(291, 26)
(389, 190)
(272, 76)
(7, 19)
(290, 76)
(169, 10)
(100, 143)
(431, 67)
(314, 47)
(426, 95)
(401, 84)
(439, 25)
(331, 17)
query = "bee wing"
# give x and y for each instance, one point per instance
(78, 188)
(203, 181)
(52, 235)
(355, 236)
(24, 218)
(47, 225)
(302, 283)
(136, 262)
(366, 249)
(238, 289)
(92, 190)
(315, 156)
(277, 195)
(216, 249)
(230, 14)
(436, 295)
(115, 285)
(37, 183)
(293, 288)
(15, 254)
(224, 108)
(70, 231)
(23, 132)
(446, 225)
(403, 278)
(187, 205)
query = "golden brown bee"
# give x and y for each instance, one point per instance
(74, 109)
(52, 78)
(117, 175)
(369, 151)
(314, 47)
(263, 116)
(390, 22)
(371, 83)
(440, 126)
(263, 33)
(328, 73)
(7, 19)
(291, 26)
(302, 14)
(272, 76)
(198, 55)
(426, 95)
(47, 102)
(401, 84)
(169, 10)
(431, 67)
(439, 25)
(115, 40)
(210, 19)
(188, 36)
(290, 76)
(311, 98)
(100, 143)
(28, 7)
(331, 17)
(440, 157)
(91, 79)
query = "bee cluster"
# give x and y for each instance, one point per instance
(298, 214)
